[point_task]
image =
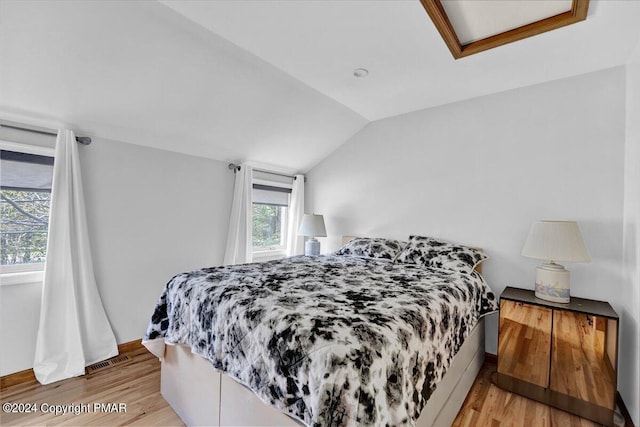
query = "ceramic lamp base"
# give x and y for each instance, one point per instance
(552, 283)
(312, 247)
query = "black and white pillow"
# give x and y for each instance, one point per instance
(437, 253)
(372, 248)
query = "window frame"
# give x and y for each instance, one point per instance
(33, 272)
(272, 252)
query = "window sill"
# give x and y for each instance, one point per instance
(10, 279)
(269, 255)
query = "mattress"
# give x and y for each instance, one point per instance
(329, 340)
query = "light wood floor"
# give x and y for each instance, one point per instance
(137, 384)
(488, 405)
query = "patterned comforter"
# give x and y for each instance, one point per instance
(330, 340)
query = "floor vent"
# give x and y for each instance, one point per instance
(118, 360)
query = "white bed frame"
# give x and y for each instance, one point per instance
(201, 396)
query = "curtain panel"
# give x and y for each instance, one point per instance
(74, 330)
(295, 243)
(238, 249)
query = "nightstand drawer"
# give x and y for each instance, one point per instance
(582, 353)
(525, 342)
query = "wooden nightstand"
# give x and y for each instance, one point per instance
(564, 355)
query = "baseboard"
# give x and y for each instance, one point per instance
(628, 422)
(128, 347)
(490, 358)
(28, 375)
(17, 378)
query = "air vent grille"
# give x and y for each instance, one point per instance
(118, 360)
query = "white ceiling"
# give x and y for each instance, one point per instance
(410, 67)
(138, 72)
(268, 81)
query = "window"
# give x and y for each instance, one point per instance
(270, 206)
(25, 196)
(270, 197)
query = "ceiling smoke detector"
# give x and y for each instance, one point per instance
(360, 72)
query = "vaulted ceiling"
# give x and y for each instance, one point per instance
(268, 81)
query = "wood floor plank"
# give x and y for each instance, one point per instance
(137, 384)
(488, 405)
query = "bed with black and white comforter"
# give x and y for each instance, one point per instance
(330, 340)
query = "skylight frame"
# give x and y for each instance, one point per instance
(578, 12)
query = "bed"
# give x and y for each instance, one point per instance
(359, 337)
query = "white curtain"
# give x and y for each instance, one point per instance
(238, 249)
(295, 243)
(74, 330)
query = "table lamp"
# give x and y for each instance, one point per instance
(312, 226)
(555, 241)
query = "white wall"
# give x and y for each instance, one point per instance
(151, 215)
(136, 71)
(19, 316)
(630, 305)
(482, 171)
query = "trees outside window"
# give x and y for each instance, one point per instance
(24, 217)
(269, 225)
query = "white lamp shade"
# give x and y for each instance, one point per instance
(556, 241)
(312, 225)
